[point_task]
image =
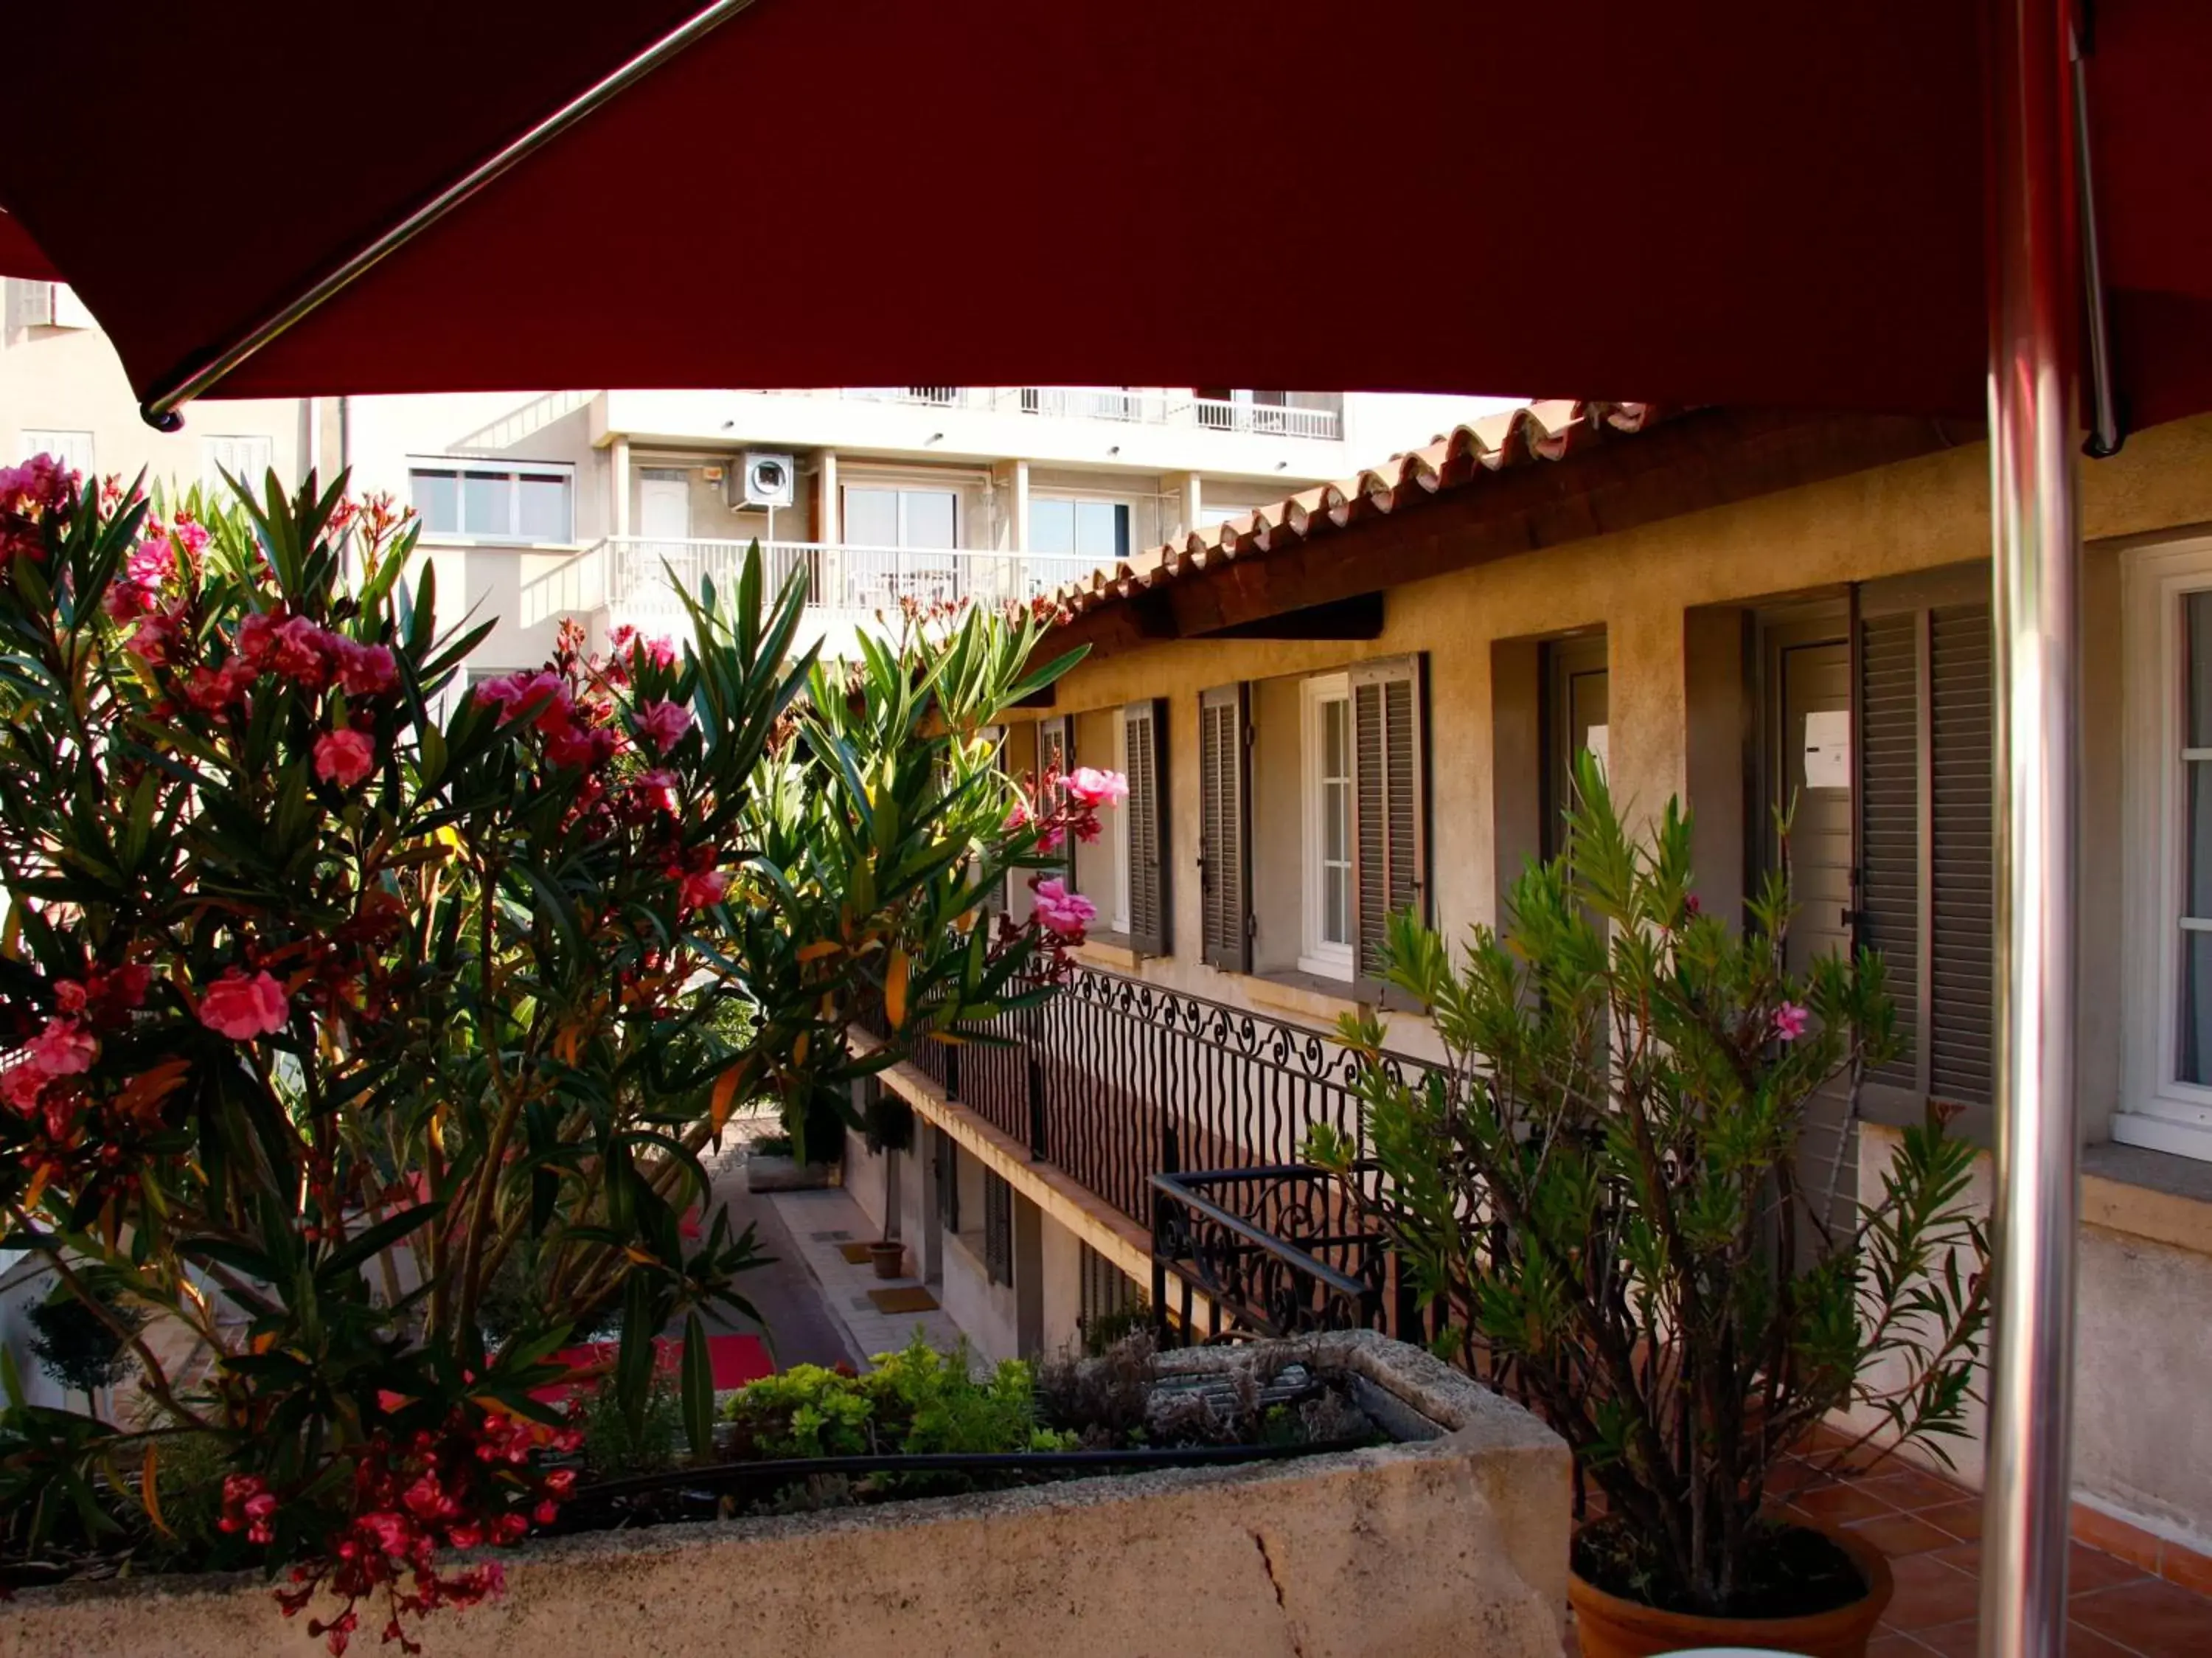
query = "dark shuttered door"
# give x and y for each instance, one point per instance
(1145, 729)
(1390, 800)
(1224, 838)
(1927, 876)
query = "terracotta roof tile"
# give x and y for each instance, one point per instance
(1551, 431)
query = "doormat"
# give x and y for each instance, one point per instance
(856, 1253)
(912, 1298)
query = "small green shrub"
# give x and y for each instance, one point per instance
(917, 1400)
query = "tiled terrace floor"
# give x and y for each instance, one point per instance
(1930, 1530)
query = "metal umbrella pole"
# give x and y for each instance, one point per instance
(2034, 323)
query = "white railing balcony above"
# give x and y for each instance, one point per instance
(636, 573)
(1222, 414)
(1131, 406)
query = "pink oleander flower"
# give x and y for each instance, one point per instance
(1064, 913)
(189, 535)
(663, 725)
(302, 653)
(1789, 1022)
(654, 791)
(365, 670)
(703, 888)
(526, 694)
(153, 638)
(343, 758)
(20, 1085)
(660, 651)
(152, 561)
(127, 600)
(64, 1048)
(1095, 788)
(242, 1009)
(582, 747)
(68, 995)
(257, 639)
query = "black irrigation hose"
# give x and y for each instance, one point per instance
(784, 1470)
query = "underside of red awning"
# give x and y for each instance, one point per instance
(1730, 201)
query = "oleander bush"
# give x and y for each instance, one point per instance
(361, 1036)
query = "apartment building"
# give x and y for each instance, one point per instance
(600, 504)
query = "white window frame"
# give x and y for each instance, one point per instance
(2157, 1109)
(495, 466)
(74, 449)
(1315, 954)
(1068, 497)
(250, 475)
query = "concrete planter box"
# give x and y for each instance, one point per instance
(1453, 1545)
(765, 1171)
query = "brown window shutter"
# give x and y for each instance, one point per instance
(1055, 753)
(1925, 719)
(1962, 733)
(1225, 857)
(1892, 691)
(1145, 729)
(1390, 800)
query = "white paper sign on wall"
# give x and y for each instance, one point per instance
(1828, 749)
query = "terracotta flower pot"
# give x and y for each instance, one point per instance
(1610, 1627)
(889, 1258)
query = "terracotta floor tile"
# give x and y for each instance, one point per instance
(1957, 1640)
(2151, 1617)
(1895, 1644)
(1835, 1505)
(2186, 1569)
(1967, 1556)
(1896, 1534)
(2082, 1643)
(1909, 1489)
(2115, 1537)
(1930, 1593)
(2088, 1569)
(1961, 1519)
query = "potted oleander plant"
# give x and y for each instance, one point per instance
(1606, 1188)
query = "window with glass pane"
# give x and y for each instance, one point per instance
(902, 518)
(1334, 782)
(1086, 529)
(437, 498)
(2194, 1061)
(543, 507)
(494, 503)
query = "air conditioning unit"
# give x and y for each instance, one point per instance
(762, 480)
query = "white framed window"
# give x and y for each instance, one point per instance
(531, 500)
(247, 458)
(51, 305)
(1097, 530)
(884, 517)
(72, 449)
(1324, 796)
(2167, 598)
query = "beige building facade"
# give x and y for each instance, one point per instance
(1365, 697)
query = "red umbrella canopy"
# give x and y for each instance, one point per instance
(1723, 200)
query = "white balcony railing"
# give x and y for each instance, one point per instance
(1221, 414)
(1112, 403)
(637, 574)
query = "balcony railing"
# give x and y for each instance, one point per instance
(645, 573)
(1128, 405)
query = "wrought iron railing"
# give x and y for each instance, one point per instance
(1114, 1080)
(1274, 1251)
